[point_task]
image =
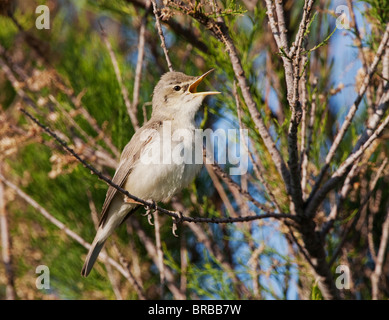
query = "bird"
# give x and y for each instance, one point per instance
(146, 173)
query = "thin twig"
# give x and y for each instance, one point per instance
(231, 183)
(162, 37)
(344, 192)
(309, 135)
(130, 108)
(188, 33)
(184, 263)
(177, 216)
(139, 62)
(220, 190)
(73, 235)
(354, 26)
(152, 252)
(304, 108)
(256, 166)
(219, 255)
(297, 45)
(282, 25)
(158, 246)
(6, 249)
(283, 51)
(347, 185)
(220, 31)
(375, 118)
(347, 122)
(60, 84)
(376, 275)
(343, 169)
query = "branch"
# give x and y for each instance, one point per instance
(258, 167)
(297, 45)
(139, 62)
(213, 249)
(160, 32)
(375, 118)
(227, 179)
(153, 254)
(130, 108)
(281, 42)
(178, 29)
(308, 137)
(375, 277)
(60, 84)
(344, 192)
(177, 216)
(220, 31)
(343, 169)
(74, 235)
(349, 118)
(6, 248)
(295, 105)
(158, 246)
(220, 190)
(353, 25)
(282, 25)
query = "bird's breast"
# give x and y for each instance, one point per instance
(167, 164)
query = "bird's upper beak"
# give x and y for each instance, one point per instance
(193, 86)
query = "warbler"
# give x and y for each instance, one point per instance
(175, 103)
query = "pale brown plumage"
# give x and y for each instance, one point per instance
(176, 100)
(128, 159)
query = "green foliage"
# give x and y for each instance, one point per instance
(316, 293)
(220, 257)
(379, 10)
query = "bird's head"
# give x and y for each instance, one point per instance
(176, 94)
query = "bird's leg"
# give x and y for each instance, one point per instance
(149, 209)
(176, 221)
(153, 205)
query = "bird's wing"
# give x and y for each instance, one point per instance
(129, 157)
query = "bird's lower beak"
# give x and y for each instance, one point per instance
(193, 87)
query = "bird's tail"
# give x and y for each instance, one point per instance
(93, 253)
(105, 229)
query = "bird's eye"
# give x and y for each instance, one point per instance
(177, 88)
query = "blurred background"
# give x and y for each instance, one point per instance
(71, 77)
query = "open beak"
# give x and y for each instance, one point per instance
(193, 87)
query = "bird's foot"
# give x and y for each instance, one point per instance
(153, 205)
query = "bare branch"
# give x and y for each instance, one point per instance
(343, 169)
(152, 252)
(258, 167)
(178, 216)
(282, 44)
(158, 246)
(349, 118)
(305, 151)
(220, 31)
(345, 190)
(139, 62)
(130, 108)
(282, 25)
(160, 33)
(354, 26)
(220, 190)
(376, 275)
(73, 235)
(10, 292)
